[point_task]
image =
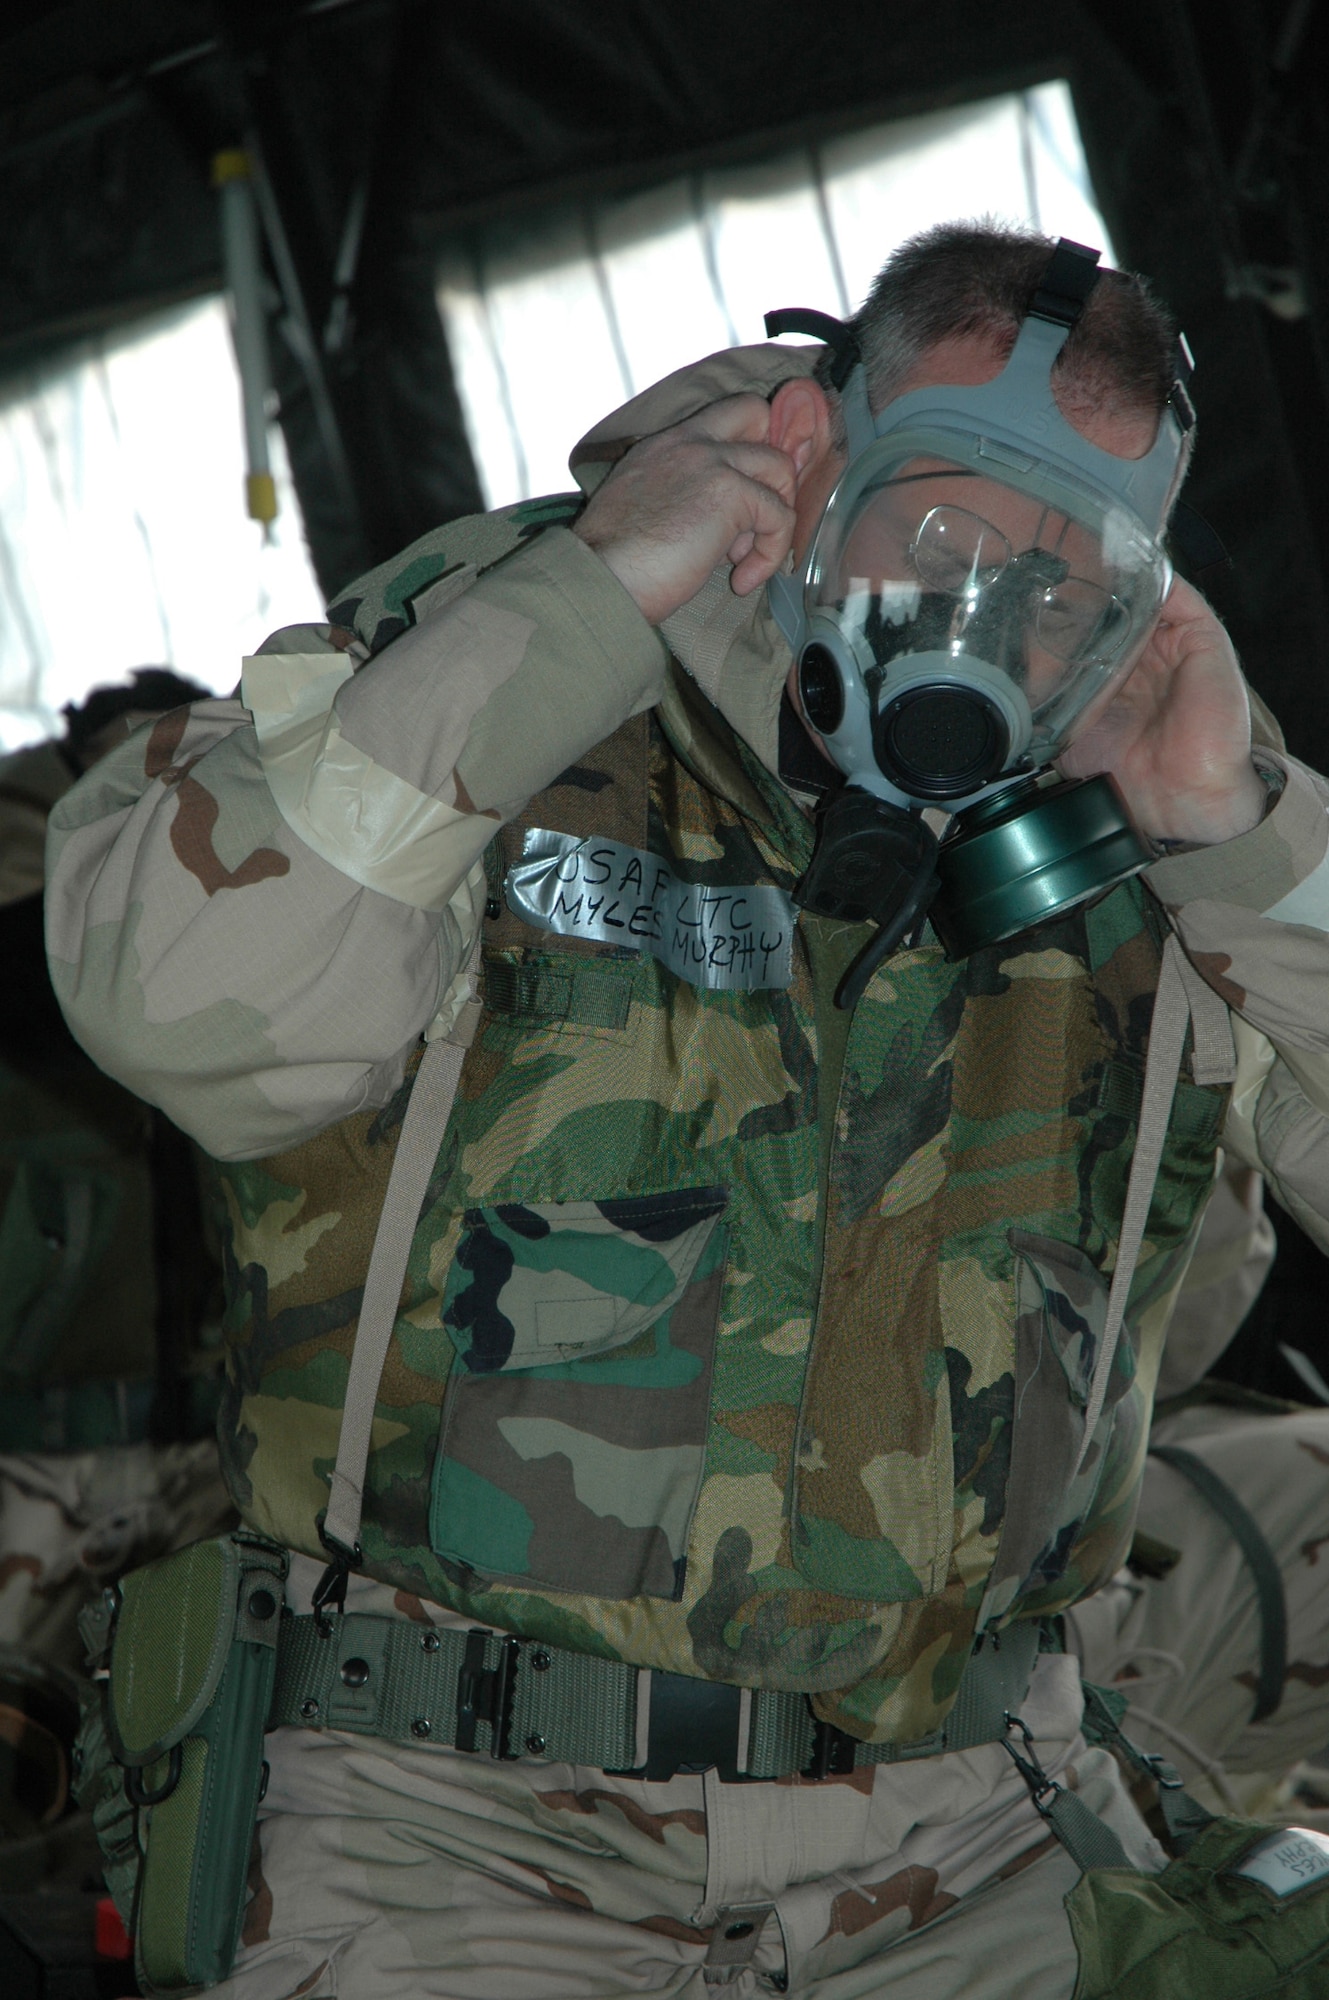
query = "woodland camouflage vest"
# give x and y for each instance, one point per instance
(722, 1306)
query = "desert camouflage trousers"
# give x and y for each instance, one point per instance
(388, 1871)
(72, 1521)
(385, 1871)
(1186, 1647)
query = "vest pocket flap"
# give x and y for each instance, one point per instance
(534, 1284)
(172, 1636)
(574, 992)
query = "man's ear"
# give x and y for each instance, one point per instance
(801, 423)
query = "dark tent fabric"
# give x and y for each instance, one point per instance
(386, 127)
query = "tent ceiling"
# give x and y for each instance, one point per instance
(110, 109)
(434, 118)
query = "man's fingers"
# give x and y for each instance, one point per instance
(733, 418)
(679, 501)
(766, 464)
(1185, 609)
(758, 551)
(1184, 601)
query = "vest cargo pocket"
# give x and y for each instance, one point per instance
(572, 1439)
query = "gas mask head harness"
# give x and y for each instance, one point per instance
(982, 580)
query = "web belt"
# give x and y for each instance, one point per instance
(104, 1412)
(77, 1416)
(489, 1693)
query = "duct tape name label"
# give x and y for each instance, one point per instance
(737, 939)
(1287, 1861)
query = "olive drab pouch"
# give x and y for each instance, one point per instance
(1243, 1913)
(193, 1658)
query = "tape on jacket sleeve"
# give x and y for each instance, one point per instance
(362, 819)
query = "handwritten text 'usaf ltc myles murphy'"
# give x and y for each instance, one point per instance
(732, 940)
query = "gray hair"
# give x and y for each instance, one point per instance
(963, 278)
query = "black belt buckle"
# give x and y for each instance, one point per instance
(486, 1694)
(693, 1727)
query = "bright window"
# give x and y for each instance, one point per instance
(556, 320)
(124, 540)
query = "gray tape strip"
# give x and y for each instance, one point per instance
(737, 939)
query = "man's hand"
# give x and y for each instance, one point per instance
(1177, 735)
(710, 490)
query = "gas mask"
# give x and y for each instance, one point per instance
(980, 584)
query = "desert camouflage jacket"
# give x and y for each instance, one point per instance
(717, 1315)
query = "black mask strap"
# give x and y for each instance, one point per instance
(1063, 290)
(841, 339)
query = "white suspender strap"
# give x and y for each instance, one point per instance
(427, 1114)
(1213, 1052)
(1182, 995)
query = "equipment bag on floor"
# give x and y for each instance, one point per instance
(1243, 1913)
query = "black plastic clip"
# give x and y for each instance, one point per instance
(1042, 1789)
(330, 1590)
(330, 1594)
(694, 1726)
(841, 339)
(1179, 395)
(1063, 290)
(486, 1694)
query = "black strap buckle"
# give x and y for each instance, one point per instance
(841, 339)
(1179, 396)
(486, 1694)
(329, 1594)
(833, 1751)
(693, 1727)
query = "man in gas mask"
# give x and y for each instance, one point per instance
(682, 1483)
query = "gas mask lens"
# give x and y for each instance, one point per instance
(1070, 617)
(993, 614)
